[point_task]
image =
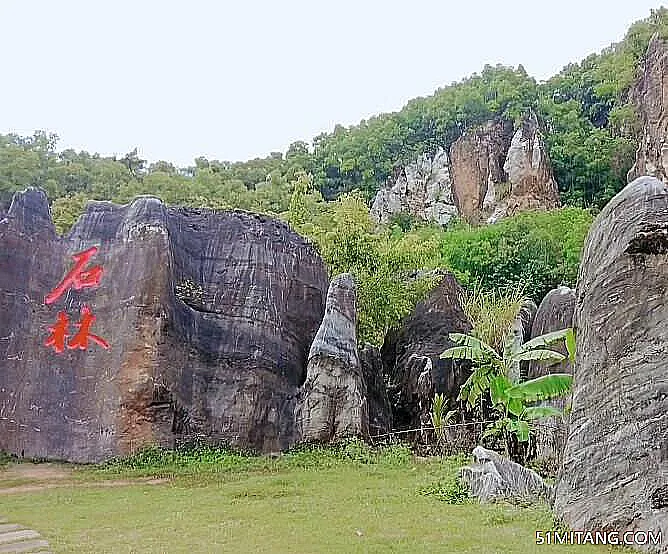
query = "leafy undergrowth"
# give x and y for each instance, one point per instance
(5, 459)
(190, 460)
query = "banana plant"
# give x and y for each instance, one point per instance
(492, 371)
(511, 401)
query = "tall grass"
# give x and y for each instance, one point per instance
(492, 313)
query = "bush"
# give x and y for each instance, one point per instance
(540, 250)
(451, 490)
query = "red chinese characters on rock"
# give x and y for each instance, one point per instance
(77, 278)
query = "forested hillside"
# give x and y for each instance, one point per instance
(590, 130)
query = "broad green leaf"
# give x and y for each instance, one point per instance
(539, 355)
(545, 340)
(522, 431)
(515, 406)
(465, 353)
(539, 412)
(542, 388)
(498, 388)
(497, 427)
(473, 342)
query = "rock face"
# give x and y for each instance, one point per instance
(333, 403)
(554, 313)
(521, 331)
(208, 315)
(615, 468)
(422, 189)
(479, 181)
(529, 171)
(490, 173)
(493, 477)
(650, 96)
(380, 411)
(415, 372)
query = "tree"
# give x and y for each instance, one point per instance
(134, 164)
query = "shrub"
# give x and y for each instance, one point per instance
(538, 249)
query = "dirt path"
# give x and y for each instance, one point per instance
(77, 484)
(27, 477)
(36, 472)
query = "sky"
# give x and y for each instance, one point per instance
(234, 80)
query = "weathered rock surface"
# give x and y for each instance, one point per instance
(554, 313)
(422, 189)
(380, 411)
(493, 477)
(333, 403)
(411, 356)
(490, 173)
(650, 97)
(521, 332)
(479, 180)
(209, 317)
(615, 468)
(529, 171)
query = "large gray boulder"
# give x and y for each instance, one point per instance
(208, 316)
(333, 403)
(615, 467)
(520, 332)
(411, 356)
(554, 313)
(493, 477)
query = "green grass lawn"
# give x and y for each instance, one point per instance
(348, 500)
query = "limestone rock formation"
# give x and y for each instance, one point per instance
(531, 181)
(615, 467)
(209, 317)
(479, 180)
(422, 189)
(333, 403)
(380, 411)
(650, 96)
(411, 356)
(554, 313)
(521, 332)
(493, 477)
(490, 173)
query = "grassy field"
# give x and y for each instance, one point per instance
(346, 499)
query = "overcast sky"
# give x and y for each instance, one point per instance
(237, 79)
